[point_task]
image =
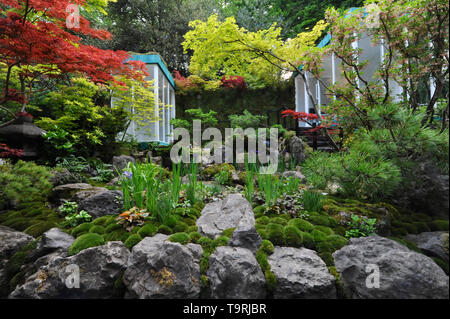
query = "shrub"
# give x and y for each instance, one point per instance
(293, 236)
(267, 247)
(148, 230)
(85, 241)
(302, 224)
(83, 228)
(24, 182)
(275, 234)
(132, 241)
(97, 229)
(77, 218)
(361, 226)
(182, 238)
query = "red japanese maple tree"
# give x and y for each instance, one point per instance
(34, 32)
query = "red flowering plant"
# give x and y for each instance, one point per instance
(311, 119)
(233, 82)
(7, 152)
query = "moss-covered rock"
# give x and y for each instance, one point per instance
(132, 240)
(308, 240)
(325, 229)
(439, 225)
(180, 227)
(38, 229)
(279, 220)
(97, 229)
(228, 232)
(166, 230)
(112, 227)
(195, 236)
(81, 229)
(275, 233)
(302, 224)
(182, 238)
(293, 236)
(267, 247)
(86, 241)
(221, 241)
(148, 230)
(318, 235)
(264, 220)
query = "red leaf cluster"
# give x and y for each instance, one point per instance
(41, 36)
(301, 116)
(233, 82)
(7, 152)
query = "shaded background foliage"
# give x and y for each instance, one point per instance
(227, 101)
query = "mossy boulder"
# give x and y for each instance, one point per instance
(132, 240)
(293, 236)
(38, 229)
(81, 229)
(97, 229)
(302, 224)
(86, 241)
(148, 230)
(275, 233)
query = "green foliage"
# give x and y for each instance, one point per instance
(361, 226)
(228, 232)
(85, 241)
(76, 120)
(247, 120)
(182, 238)
(163, 229)
(132, 241)
(24, 182)
(75, 219)
(312, 201)
(308, 240)
(224, 48)
(223, 178)
(68, 208)
(270, 186)
(208, 119)
(220, 241)
(195, 237)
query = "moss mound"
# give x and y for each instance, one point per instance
(182, 238)
(148, 230)
(85, 241)
(293, 236)
(132, 240)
